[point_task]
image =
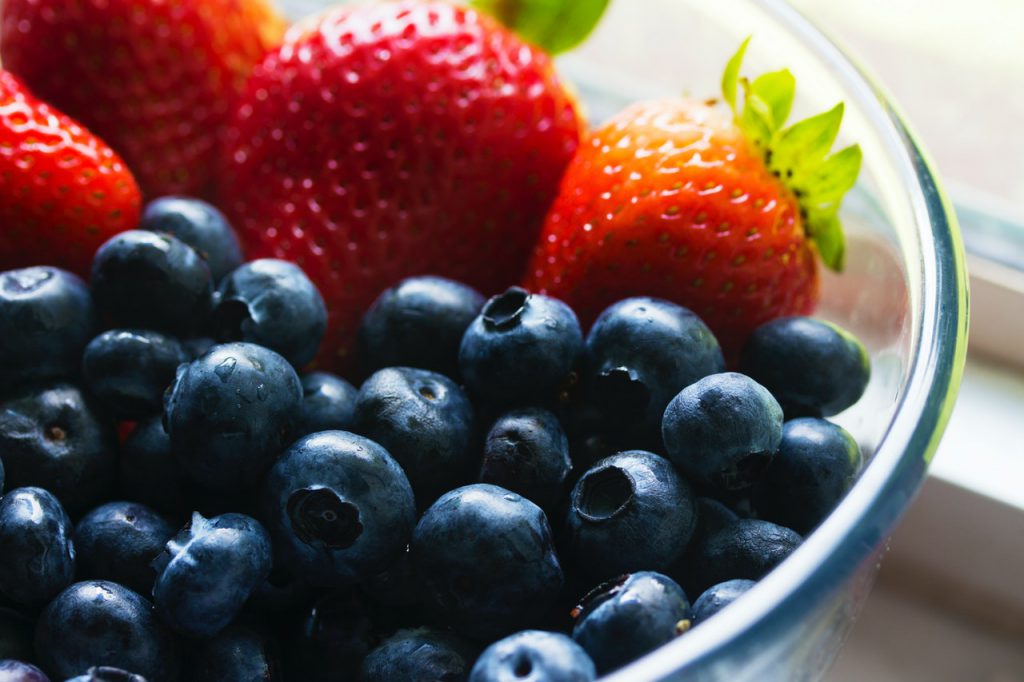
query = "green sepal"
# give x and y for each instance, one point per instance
(800, 148)
(827, 233)
(554, 25)
(731, 75)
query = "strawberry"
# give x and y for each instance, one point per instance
(63, 192)
(392, 140)
(725, 215)
(153, 78)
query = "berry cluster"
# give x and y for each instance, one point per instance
(500, 482)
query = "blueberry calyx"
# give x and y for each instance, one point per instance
(505, 310)
(26, 280)
(597, 596)
(321, 515)
(603, 494)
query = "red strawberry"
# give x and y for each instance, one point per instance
(63, 192)
(724, 215)
(392, 140)
(153, 78)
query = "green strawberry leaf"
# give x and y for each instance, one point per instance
(776, 89)
(830, 181)
(827, 233)
(553, 25)
(756, 119)
(731, 75)
(801, 147)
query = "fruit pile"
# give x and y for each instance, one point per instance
(591, 400)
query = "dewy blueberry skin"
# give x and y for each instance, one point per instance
(53, 438)
(723, 430)
(534, 656)
(629, 512)
(230, 412)
(425, 421)
(117, 541)
(339, 506)
(129, 369)
(419, 322)
(639, 354)
(207, 572)
(274, 304)
(328, 404)
(46, 318)
(420, 654)
(717, 597)
(521, 349)
(97, 622)
(487, 560)
(36, 546)
(623, 619)
(198, 224)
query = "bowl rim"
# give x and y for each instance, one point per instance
(853, 534)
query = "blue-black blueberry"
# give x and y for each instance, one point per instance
(527, 452)
(198, 224)
(117, 541)
(128, 370)
(534, 656)
(46, 318)
(148, 472)
(639, 354)
(814, 467)
(717, 597)
(15, 636)
(151, 281)
(334, 637)
(230, 412)
(53, 437)
(339, 507)
(625, 618)
(36, 546)
(274, 304)
(812, 367)
(521, 349)
(418, 654)
(237, 654)
(328, 404)
(487, 560)
(19, 671)
(100, 623)
(629, 512)
(425, 421)
(106, 673)
(419, 322)
(208, 570)
(723, 430)
(747, 548)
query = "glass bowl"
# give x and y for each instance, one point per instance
(904, 293)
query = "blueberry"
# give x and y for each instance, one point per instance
(748, 548)
(46, 318)
(328, 404)
(527, 452)
(15, 636)
(717, 597)
(815, 465)
(333, 640)
(230, 412)
(398, 585)
(418, 655)
(151, 281)
(274, 304)
(198, 224)
(639, 354)
(118, 540)
(208, 570)
(425, 421)
(813, 367)
(1, 477)
(17, 671)
(534, 656)
(107, 674)
(97, 622)
(723, 430)
(487, 560)
(712, 516)
(521, 349)
(128, 370)
(339, 506)
(53, 438)
(237, 654)
(623, 619)
(149, 472)
(419, 322)
(628, 512)
(38, 550)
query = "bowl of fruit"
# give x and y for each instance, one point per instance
(387, 346)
